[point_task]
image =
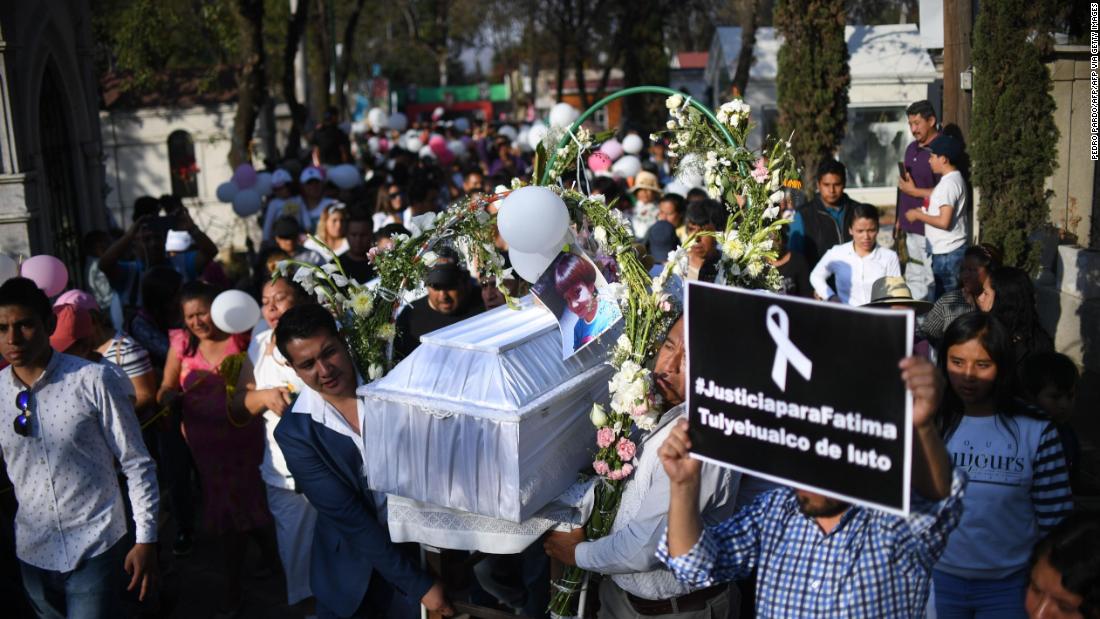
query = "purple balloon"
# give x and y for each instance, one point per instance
(612, 148)
(245, 176)
(47, 272)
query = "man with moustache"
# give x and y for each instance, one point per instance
(816, 556)
(914, 188)
(356, 571)
(638, 585)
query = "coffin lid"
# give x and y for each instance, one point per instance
(502, 359)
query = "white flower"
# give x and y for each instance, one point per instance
(430, 258)
(772, 211)
(362, 303)
(617, 291)
(733, 247)
(329, 268)
(602, 199)
(775, 180)
(623, 344)
(754, 268)
(776, 197)
(647, 421)
(598, 416)
(722, 115)
(600, 235)
(482, 217)
(282, 266)
(387, 332)
(304, 277)
(671, 125)
(339, 280)
(374, 372)
(422, 223)
(653, 137)
(674, 102)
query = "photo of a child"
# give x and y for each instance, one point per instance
(569, 288)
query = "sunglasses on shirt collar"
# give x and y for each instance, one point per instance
(22, 423)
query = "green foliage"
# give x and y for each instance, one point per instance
(812, 78)
(142, 38)
(1013, 135)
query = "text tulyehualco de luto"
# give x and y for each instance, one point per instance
(822, 415)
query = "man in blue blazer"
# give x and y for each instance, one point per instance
(356, 571)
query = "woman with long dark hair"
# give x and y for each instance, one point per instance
(979, 261)
(1009, 295)
(1019, 484)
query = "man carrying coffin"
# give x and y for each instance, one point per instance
(816, 556)
(638, 585)
(355, 571)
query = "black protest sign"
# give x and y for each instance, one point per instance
(804, 393)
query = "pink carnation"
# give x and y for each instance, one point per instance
(601, 467)
(626, 449)
(622, 473)
(760, 172)
(640, 409)
(604, 437)
(372, 253)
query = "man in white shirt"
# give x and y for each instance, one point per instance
(639, 585)
(74, 421)
(855, 265)
(945, 216)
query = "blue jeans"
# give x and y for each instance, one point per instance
(91, 591)
(945, 270)
(968, 598)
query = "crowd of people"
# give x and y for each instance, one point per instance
(129, 407)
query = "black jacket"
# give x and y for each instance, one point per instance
(820, 230)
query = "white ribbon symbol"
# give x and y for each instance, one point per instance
(785, 350)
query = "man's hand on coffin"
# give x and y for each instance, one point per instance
(435, 600)
(275, 400)
(562, 546)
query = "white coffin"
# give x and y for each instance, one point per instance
(485, 416)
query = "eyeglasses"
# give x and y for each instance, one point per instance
(22, 423)
(395, 194)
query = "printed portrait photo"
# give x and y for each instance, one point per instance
(569, 288)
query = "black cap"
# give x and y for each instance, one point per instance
(946, 146)
(286, 228)
(661, 239)
(446, 273)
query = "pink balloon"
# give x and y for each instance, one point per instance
(383, 145)
(599, 162)
(612, 148)
(438, 148)
(436, 140)
(47, 272)
(244, 176)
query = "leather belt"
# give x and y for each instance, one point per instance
(696, 600)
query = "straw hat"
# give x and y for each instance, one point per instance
(646, 180)
(891, 290)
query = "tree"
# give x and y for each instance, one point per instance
(750, 19)
(251, 79)
(1013, 135)
(813, 79)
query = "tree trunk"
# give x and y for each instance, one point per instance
(251, 85)
(298, 112)
(343, 67)
(750, 11)
(644, 60)
(318, 60)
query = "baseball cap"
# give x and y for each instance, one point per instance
(79, 298)
(280, 177)
(311, 174)
(946, 146)
(662, 240)
(73, 324)
(445, 274)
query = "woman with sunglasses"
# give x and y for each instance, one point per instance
(389, 206)
(72, 421)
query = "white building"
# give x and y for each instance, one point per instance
(889, 69)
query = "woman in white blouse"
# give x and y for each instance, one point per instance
(855, 265)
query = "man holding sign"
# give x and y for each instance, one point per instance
(816, 555)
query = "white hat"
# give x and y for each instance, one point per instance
(280, 177)
(177, 240)
(311, 174)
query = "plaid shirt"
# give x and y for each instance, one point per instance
(873, 564)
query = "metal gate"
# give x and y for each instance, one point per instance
(60, 202)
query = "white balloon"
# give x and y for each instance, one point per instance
(345, 176)
(8, 268)
(523, 141)
(462, 124)
(530, 266)
(263, 183)
(226, 191)
(678, 188)
(457, 147)
(235, 311)
(374, 143)
(536, 134)
(533, 219)
(632, 144)
(508, 131)
(627, 166)
(247, 202)
(377, 119)
(563, 115)
(413, 144)
(398, 121)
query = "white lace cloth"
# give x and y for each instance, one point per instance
(413, 521)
